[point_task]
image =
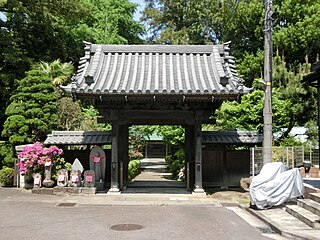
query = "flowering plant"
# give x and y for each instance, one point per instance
(34, 158)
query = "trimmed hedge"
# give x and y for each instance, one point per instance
(134, 168)
(6, 176)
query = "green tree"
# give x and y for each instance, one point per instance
(287, 82)
(90, 122)
(112, 22)
(70, 114)
(297, 31)
(45, 30)
(296, 28)
(32, 113)
(293, 103)
(174, 136)
(36, 31)
(207, 21)
(248, 115)
(58, 72)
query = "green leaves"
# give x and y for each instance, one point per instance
(32, 111)
(297, 32)
(58, 72)
(111, 22)
(292, 103)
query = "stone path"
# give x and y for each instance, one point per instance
(154, 178)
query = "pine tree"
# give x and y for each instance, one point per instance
(32, 113)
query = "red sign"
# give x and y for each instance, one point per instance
(96, 159)
(88, 178)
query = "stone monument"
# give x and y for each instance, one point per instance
(75, 178)
(89, 179)
(37, 179)
(98, 165)
(77, 165)
(62, 178)
(47, 182)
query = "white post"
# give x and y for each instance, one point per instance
(252, 158)
(287, 150)
(292, 157)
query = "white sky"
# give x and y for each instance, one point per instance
(2, 16)
(141, 3)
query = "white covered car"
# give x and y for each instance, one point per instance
(275, 185)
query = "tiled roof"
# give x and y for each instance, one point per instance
(78, 137)
(232, 137)
(157, 69)
(105, 137)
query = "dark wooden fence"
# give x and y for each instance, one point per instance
(225, 167)
(220, 167)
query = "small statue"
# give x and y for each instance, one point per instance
(62, 178)
(48, 182)
(89, 178)
(75, 178)
(98, 163)
(37, 179)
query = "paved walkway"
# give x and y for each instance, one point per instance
(270, 223)
(154, 178)
(153, 187)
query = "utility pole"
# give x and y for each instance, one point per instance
(267, 110)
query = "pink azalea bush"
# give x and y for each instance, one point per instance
(33, 159)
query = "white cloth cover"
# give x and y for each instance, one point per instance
(275, 185)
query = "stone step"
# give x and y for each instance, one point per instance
(149, 190)
(304, 215)
(155, 184)
(315, 197)
(309, 205)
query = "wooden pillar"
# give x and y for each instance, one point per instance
(189, 155)
(114, 188)
(124, 154)
(198, 153)
(121, 150)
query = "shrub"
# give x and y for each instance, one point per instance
(33, 159)
(175, 164)
(134, 168)
(135, 154)
(6, 176)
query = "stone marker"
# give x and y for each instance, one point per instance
(75, 178)
(37, 179)
(98, 163)
(62, 178)
(77, 166)
(89, 178)
(48, 182)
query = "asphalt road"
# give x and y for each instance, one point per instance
(45, 221)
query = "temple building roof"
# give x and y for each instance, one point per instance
(131, 70)
(79, 138)
(105, 137)
(232, 137)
